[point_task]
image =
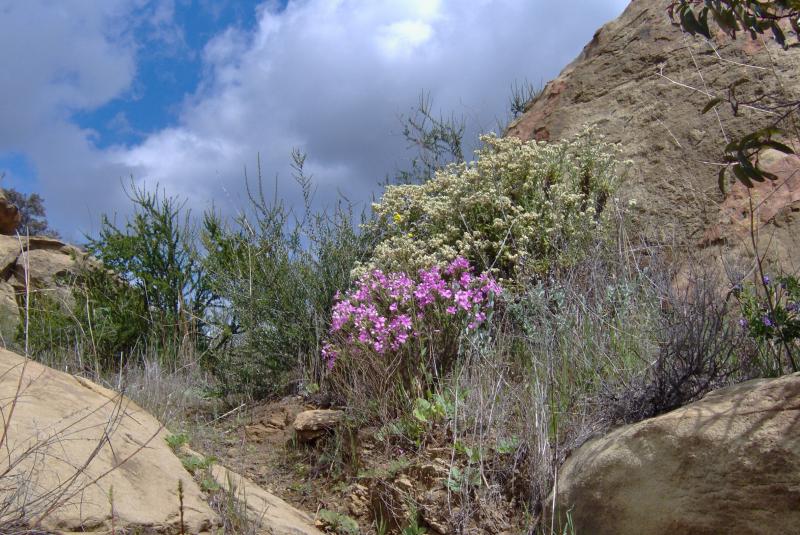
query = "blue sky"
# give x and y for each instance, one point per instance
(166, 75)
(186, 94)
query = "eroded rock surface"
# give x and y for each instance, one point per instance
(729, 463)
(87, 440)
(312, 424)
(643, 83)
(9, 215)
(51, 268)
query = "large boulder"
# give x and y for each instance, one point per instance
(9, 215)
(729, 463)
(41, 264)
(643, 84)
(271, 514)
(78, 451)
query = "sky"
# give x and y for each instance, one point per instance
(188, 94)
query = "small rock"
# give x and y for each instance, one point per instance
(310, 425)
(404, 484)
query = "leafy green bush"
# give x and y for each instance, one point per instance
(151, 290)
(521, 208)
(277, 277)
(771, 316)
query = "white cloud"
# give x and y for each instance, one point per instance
(327, 76)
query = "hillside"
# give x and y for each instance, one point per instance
(644, 83)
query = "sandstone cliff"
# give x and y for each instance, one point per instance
(644, 83)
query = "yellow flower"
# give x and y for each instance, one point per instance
(398, 218)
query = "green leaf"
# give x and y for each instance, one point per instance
(778, 146)
(721, 182)
(710, 105)
(422, 409)
(779, 36)
(742, 176)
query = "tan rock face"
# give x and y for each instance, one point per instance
(310, 425)
(9, 215)
(50, 265)
(74, 463)
(270, 513)
(729, 463)
(634, 82)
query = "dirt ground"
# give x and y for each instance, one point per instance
(383, 485)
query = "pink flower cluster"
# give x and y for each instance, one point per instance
(384, 310)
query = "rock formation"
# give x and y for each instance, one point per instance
(643, 83)
(51, 267)
(60, 420)
(78, 451)
(9, 215)
(727, 463)
(312, 424)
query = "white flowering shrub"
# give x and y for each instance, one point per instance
(521, 208)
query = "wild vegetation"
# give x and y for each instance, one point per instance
(503, 308)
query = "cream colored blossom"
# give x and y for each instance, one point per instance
(519, 206)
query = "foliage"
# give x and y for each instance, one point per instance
(521, 208)
(741, 156)
(522, 94)
(438, 141)
(772, 317)
(699, 348)
(277, 276)
(101, 318)
(194, 463)
(177, 441)
(338, 522)
(33, 221)
(405, 333)
(154, 255)
(755, 17)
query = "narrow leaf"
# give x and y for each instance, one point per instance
(710, 105)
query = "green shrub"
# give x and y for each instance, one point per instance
(521, 208)
(152, 289)
(277, 277)
(771, 316)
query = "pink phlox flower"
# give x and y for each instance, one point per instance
(402, 321)
(458, 264)
(329, 355)
(463, 298)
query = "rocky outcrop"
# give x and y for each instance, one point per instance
(51, 267)
(84, 458)
(9, 215)
(80, 453)
(265, 510)
(643, 83)
(310, 425)
(729, 463)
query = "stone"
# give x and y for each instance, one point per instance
(271, 514)
(10, 216)
(51, 266)
(729, 463)
(312, 424)
(630, 82)
(87, 440)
